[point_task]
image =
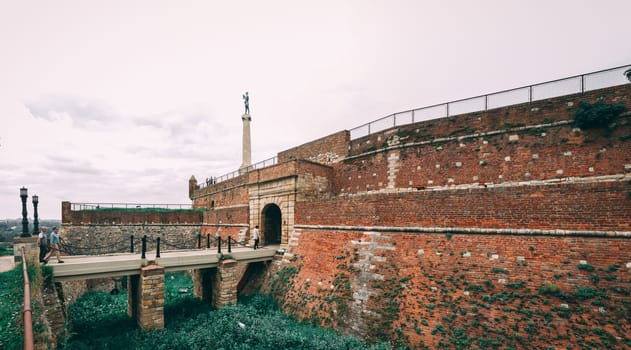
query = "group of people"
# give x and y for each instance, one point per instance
(49, 244)
(210, 181)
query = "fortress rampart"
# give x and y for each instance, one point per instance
(508, 227)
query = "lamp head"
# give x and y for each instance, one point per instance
(35, 199)
(23, 192)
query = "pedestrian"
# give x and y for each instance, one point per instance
(54, 246)
(42, 242)
(257, 236)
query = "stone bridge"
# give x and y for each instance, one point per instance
(217, 277)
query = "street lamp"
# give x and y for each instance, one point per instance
(35, 221)
(24, 195)
(628, 74)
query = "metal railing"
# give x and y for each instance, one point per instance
(554, 88)
(161, 244)
(96, 206)
(233, 174)
(28, 312)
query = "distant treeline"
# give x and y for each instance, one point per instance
(10, 228)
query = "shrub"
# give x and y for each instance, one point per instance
(586, 267)
(598, 114)
(549, 289)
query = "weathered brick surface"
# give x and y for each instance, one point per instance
(419, 288)
(226, 280)
(592, 206)
(150, 301)
(327, 150)
(538, 112)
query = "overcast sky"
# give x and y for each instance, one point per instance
(122, 101)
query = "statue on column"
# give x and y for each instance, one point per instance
(246, 101)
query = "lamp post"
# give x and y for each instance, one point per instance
(24, 195)
(35, 221)
(628, 74)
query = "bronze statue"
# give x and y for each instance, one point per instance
(246, 101)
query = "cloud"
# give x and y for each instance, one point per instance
(82, 112)
(65, 166)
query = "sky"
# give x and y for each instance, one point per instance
(122, 101)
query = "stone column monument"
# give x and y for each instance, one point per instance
(247, 150)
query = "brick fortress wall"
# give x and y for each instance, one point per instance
(508, 227)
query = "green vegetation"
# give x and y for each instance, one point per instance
(10, 228)
(6, 248)
(100, 321)
(11, 298)
(586, 267)
(549, 289)
(598, 114)
(11, 306)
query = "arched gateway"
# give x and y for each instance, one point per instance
(272, 220)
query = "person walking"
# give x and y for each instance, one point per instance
(42, 243)
(257, 236)
(54, 246)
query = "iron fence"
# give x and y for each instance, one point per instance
(96, 206)
(231, 175)
(554, 88)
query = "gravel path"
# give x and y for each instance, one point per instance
(6, 263)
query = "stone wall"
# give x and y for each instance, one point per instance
(127, 217)
(101, 239)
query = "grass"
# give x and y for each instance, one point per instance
(100, 322)
(6, 248)
(11, 298)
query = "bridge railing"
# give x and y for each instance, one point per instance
(97, 206)
(129, 245)
(29, 342)
(554, 88)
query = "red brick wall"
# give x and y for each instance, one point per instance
(561, 153)
(593, 207)
(225, 193)
(127, 217)
(326, 150)
(538, 112)
(438, 289)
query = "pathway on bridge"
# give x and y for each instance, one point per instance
(115, 265)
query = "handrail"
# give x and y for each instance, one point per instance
(28, 313)
(579, 84)
(94, 206)
(262, 164)
(511, 97)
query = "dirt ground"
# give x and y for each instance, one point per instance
(6, 263)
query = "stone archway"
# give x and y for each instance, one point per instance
(271, 232)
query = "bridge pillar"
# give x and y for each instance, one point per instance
(146, 297)
(225, 283)
(202, 283)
